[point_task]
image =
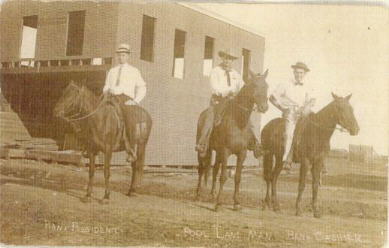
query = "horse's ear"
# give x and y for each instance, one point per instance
(348, 97)
(334, 96)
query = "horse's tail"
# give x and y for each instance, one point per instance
(146, 123)
(268, 165)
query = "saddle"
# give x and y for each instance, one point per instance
(140, 125)
(219, 104)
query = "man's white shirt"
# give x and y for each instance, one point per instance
(131, 82)
(290, 93)
(219, 81)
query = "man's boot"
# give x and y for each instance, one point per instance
(256, 146)
(130, 148)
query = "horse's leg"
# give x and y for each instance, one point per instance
(316, 171)
(89, 190)
(215, 172)
(200, 171)
(223, 177)
(107, 173)
(133, 179)
(303, 172)
(276, 172)
(267, 173)
(208, 162)
(238, 174)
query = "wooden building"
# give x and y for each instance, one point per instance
(46, 44)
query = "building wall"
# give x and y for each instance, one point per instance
(174, 104)
(99, 34)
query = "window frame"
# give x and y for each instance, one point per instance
(21, 36)
(213, 54)
(67, 34)
(174, 54)
(153, 39)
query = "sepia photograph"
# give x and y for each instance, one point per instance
(214, 124)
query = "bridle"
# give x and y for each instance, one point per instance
(72, 119)
(341, 129)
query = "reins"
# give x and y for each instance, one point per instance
(70, 119)
(244, 108)
(341, 129)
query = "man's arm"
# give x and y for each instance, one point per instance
(140, 88)
(107, 82)
(240, 83)
(277, 94)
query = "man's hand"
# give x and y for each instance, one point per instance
(131, 102)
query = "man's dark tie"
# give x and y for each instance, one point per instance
(119, 73)
(228, 78)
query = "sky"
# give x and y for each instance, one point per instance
(346, 48)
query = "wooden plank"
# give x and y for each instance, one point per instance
(4, 153)
(55, 156)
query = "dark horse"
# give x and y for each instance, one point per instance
(312, 148)
(101, 129)
(232, 135)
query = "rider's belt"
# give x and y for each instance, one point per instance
(123, 98)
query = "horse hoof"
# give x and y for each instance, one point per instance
(316, 214)
(132, 194)
(197, 198)
(298, 213)
(105, 201)
(217, 207)
(277, 209)
(86, 199)
(237, 207)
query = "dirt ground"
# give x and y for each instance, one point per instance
(40, 205)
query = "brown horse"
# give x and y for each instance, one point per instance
(101, 129)
(312, 148)
(233, 134)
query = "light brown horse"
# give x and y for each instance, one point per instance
(101, 129)
(233, 134)
(312, 149)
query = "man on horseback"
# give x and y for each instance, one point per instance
(225, 84)
(295, 100)
(124, 85)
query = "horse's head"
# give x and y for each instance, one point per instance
(258, 86)
(345, 114)
(71, 101)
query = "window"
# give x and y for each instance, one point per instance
(208, 55)
(179, 50)
(76, 25)
(245, 63)
(147, 44)
(29, 32)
